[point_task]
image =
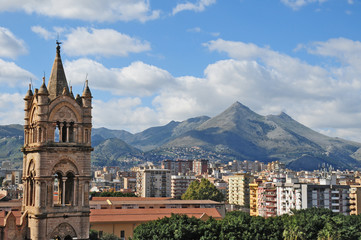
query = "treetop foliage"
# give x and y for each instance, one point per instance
(203, 190)
(313, 223)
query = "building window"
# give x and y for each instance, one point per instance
(122, 235)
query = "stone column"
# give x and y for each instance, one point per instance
(75, 195)
(61, 132)
(38, 194)
(67, 133)
(63, 192)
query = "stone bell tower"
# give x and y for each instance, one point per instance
(56, 165)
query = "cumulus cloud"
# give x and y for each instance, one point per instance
(297, 4)
(199, 6)
(127, 112)
(138, 79)
(87, 10)
(43, 32)
(345, 50)
(12, 75)
(11, 108)
(105, 42)
(10, 45)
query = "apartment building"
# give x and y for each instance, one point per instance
(267, 199)
(334, 197)
(153, 182)
(355, 199)
(238, 189)
(179, 185)
(178, 166)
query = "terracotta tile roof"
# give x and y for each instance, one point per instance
(145, 215)
(149, 200)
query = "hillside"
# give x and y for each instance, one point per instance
(237, 133)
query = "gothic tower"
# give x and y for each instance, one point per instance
(56, 165)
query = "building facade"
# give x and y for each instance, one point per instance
(153, 182)
(179, 185)
(238, 189)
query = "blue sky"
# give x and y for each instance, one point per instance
(150, 62)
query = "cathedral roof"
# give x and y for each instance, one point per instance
(57, 81)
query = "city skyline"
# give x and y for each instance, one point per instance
(150, 62)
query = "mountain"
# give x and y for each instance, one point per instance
(11, 141)
(237, 133)
(240, 133)
(115, 152)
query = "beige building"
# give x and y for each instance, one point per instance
(179, 185)
(355, 199)
(153, 182)
(238, 189)
(56, 166)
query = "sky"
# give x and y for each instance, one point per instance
(149, 62)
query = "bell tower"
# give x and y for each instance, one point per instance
(56, 164)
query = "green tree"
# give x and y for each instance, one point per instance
(203, 190)
(108, 236)
(93, 235)
(178, 227)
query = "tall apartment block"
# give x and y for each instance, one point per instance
(355, 199)
(200, 166)
(238, 189)
(178, 166)
(334, 197)
(179, 185)
(153, 182)
(267, 199)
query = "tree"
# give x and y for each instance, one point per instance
(203, 190)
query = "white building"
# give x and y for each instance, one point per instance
(289, 196)
(153, 182)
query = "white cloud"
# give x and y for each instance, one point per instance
(105, 42)
(13, 75)
(43, 32)
(345, 50)
(88, 10)
(11, 108)
(138, 79)
(297, 4)
(10, 45)
(125, 112)
(199, 6)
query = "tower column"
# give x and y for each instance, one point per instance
(63, 191)
(67, 132)
(61, 132)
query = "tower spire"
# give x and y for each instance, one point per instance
(57, 81)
